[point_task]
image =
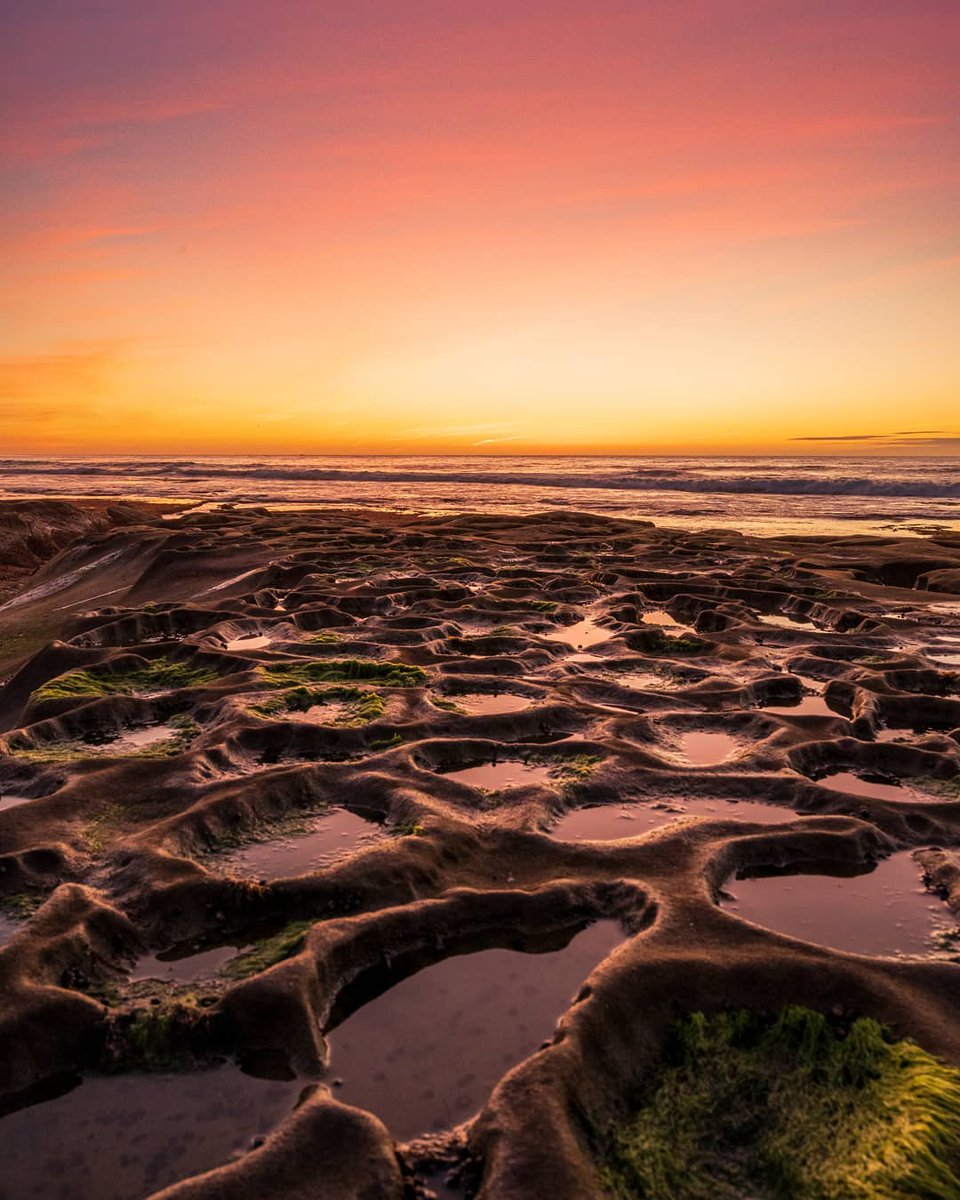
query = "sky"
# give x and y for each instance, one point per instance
(432, 226)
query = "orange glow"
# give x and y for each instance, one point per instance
(665, 225)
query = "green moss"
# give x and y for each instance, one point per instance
(655, 641)
(157, 1038)
(389, 743)
(344, 670)
(326, 638)
(185, 730)
(363, 705)
(160, 675)
(273, 706)
(55, 752)
(477, 643)
(541, 606)
(20, 905)
(447, 705)
(407, 829)
(106, 991)
(947, 789)
(581, 766)
(104, 826)
(791, 1109)
(268, 951)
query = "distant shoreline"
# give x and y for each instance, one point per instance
(785, 496)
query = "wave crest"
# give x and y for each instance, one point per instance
(909, 483)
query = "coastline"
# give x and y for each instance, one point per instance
(770, 496)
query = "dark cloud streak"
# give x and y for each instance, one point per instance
(877, 437)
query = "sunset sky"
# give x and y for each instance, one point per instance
(437, 225)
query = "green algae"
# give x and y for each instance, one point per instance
(388, 743)
(947, 789)
(580, 766)
(104, 827)
(407, 829)
(655, 641)
(363, 705)
(21, 905)
(791, 1108)
(344, 670)
(158, 675)
(184, 731)
(268, 951)
(159, 1038)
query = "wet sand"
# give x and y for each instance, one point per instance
(268, 774)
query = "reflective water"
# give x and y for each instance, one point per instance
(249, 641)
(703, 749)
(425, 1054)
(331, 713)
(784, 621)
(583, 633)
(765, 496)
(321, 842)
(493, 776)
(12, 799)
(182, 965)
(660, 616)
(8, 927)
(886, 911)
(808, 706)
(610, 822)
(126, 742)
(132, 740)
(644, 681)
(899, 734)
(662, 619)
(126, 1136)
(490, 703)
(875, 789)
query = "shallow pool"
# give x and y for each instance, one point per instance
(494, 776)
(610, 822)
(322, 841)
(886, 911)
(124, 1137)
(425, 1053)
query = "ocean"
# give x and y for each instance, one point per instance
(816, 495)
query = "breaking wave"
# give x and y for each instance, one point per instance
(940, 480)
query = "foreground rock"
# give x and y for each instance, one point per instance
(239, 679)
